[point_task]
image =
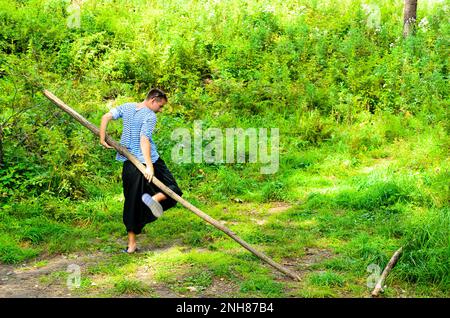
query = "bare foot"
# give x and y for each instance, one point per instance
(132, 248)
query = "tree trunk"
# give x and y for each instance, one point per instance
(409, 17)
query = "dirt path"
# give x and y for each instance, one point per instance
(33, 279)
(26, 280)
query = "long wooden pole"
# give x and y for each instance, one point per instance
(167, 190)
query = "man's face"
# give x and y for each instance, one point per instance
(157, 105)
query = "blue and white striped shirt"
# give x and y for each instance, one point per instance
(136, 122)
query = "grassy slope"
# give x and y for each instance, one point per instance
(338, 218)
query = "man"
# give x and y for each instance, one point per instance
(144, 202)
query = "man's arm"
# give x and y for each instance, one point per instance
(105, 120)
(146, 152)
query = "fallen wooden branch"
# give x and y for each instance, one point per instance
(387, 269)
(166, 190)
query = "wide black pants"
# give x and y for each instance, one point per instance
(135, 213)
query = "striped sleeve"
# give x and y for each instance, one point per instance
(148, 126)
(118, 111)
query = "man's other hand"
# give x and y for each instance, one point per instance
(149, 173)
(105, 144)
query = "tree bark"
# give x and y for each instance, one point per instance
(409, 17)
(166, 190)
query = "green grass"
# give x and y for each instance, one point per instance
(128, 286)
(261, 286)
(361, 221)
(197, 281)
(327, 279)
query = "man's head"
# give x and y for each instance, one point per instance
(155, 99)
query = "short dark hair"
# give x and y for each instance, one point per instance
(156, 93)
